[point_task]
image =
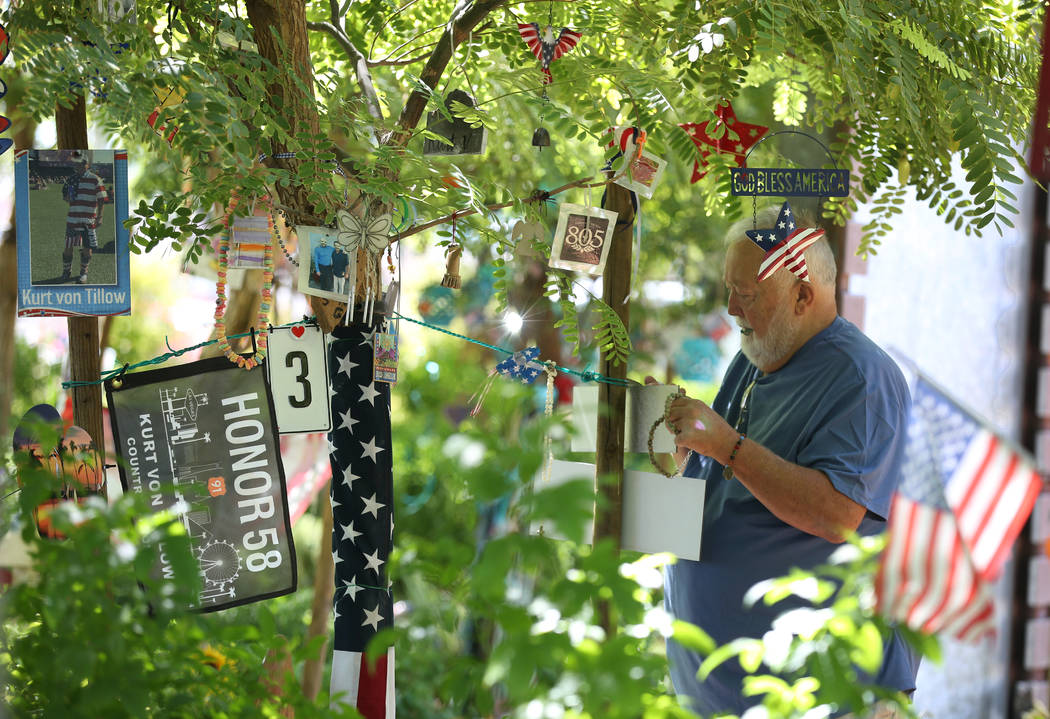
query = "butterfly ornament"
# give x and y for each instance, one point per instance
(368, 234)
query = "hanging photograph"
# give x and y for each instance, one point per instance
(582, 238)
(251, 236)
(72, 244)
(643, 174)
(325, 269)
(200, 439)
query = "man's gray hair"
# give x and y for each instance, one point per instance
(819, 258)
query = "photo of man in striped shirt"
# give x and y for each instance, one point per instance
(86, 195)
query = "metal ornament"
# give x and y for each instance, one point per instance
(541, 138)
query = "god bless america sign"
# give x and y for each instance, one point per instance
(200, 439)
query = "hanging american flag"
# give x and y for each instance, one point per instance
(963, 499)
(784, 245)
(363, 523)
(546, 47)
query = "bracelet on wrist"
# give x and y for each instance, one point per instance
(727, 472)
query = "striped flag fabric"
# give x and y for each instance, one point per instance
(784, 245)
(363, 523)
(964, 497)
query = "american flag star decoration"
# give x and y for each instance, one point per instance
(522, 365)
(363, 523)
(964, 497)
(546, 47)
(784, 245)
(747, 136)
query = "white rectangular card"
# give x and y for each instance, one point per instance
(583, 238)
(645, 405)
(660, 514)
(297, 369)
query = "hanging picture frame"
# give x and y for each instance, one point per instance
(460, 137)
(325, 269)
(201, 440)
(582, 238)
(643, 174)
(72, 244)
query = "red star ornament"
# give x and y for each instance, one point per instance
(749, 135)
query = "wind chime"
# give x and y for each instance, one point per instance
(547, 48)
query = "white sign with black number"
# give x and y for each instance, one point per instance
(297, 367)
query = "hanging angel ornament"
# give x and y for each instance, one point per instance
(368, 234)
(546, 47)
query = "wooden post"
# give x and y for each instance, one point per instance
(321, 608)
(71, 127)
(612, 398)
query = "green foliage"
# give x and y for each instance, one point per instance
(94, 634)
(817, 654)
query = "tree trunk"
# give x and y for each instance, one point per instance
(24, 131)
(71, 127)
(320, 610)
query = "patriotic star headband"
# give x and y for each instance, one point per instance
(784, 244)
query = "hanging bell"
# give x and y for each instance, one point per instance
(541, 138)
(451, 278)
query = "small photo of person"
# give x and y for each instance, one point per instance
(324, 268)
(72, 224)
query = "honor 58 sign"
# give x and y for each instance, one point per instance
(200, 440)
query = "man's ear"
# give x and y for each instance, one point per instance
(804, 297)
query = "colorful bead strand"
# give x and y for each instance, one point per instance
(262, 319)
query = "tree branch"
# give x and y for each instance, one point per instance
(459, 28)
(538, 196)
(364, 76)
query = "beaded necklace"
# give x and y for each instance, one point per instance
(267, 291)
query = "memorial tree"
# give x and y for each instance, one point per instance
(431, 123)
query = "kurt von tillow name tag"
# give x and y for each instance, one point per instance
(201, 438)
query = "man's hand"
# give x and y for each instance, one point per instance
(699, 428)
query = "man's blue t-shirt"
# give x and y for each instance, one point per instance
(840, 406)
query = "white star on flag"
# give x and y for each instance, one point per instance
(351, 588)
(336, 558)
(369, 338)
(373, 618)
(345, 365)
(348, 422)
(370, 450)
(349, 477)
(349, 532)
(371, 505)
(373, 561)
(370, 393)
(331, 445)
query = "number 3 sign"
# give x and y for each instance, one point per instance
(297, 366)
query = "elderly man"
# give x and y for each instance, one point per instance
(802, 446)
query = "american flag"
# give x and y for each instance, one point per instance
(546, 47)
(963, 499)
(363, 523)
(784, 245)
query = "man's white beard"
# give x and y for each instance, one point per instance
(780, 338)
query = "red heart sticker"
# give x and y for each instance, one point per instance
(298, 330)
